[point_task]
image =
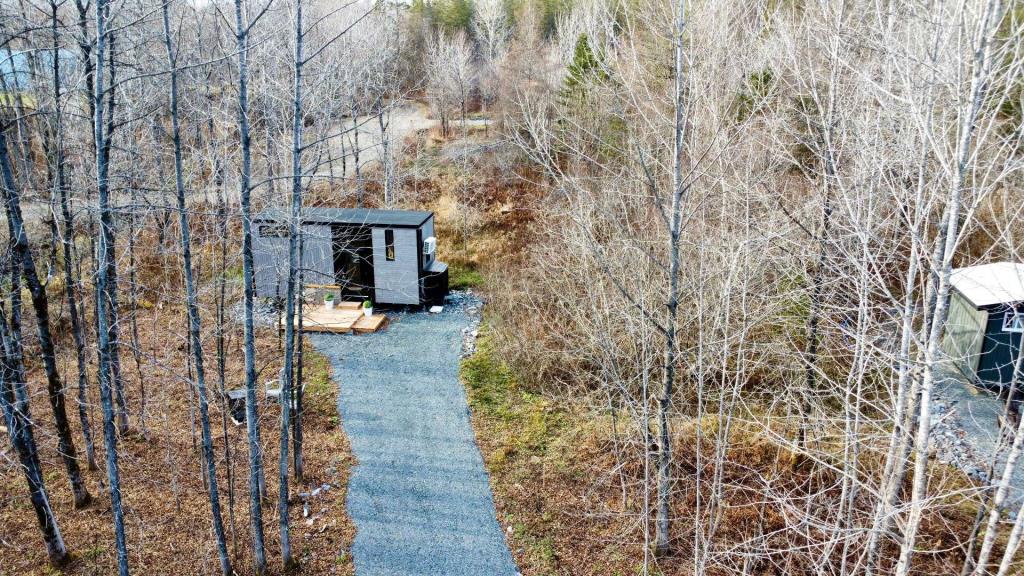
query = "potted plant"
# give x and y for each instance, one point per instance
(367, 308)
(329, 301)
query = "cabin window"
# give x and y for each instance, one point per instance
(389, 245)
(274, 231)
(1013, 321)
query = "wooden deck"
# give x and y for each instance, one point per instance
(344, 318)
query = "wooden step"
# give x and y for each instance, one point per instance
(370, 323)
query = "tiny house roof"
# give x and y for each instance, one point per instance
(990, 284)
(351, 216)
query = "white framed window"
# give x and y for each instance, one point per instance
(1013, 321)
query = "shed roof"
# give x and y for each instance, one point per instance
(990, 284)
(356, 216)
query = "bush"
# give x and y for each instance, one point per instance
(462, 277)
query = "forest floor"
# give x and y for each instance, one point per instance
(167, 512)
(419, 494)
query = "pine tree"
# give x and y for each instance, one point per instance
(585, 70)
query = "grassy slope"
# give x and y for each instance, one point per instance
(540, 458)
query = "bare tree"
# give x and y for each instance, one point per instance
(251, 414)
(104, 268)
(450, 77)
(191, 301)
(15, 407)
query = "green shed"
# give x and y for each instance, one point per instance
(985, 322)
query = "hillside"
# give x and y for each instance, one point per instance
(504, 287)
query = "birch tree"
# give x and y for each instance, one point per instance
(103, 272)
(191, 301)
(980, 65)
(245, 177)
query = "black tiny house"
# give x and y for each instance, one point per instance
(986, 319)
(387, 256)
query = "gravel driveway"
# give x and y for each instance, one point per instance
(419, 495)
(965, 432)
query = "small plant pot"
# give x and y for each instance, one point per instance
(329, 304)
(368, 312)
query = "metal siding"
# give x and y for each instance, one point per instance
(396, 282)
(317, 254)
(269, 255)
(998, 351)
(965, 331)
(270, 260)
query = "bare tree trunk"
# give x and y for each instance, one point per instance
(355, 154)
(385, 157)
(817, 294)
(949, 234)
(297, 462)
(40, 303)
(222, 229)
(103, 269)
(15, 407)
(251, 415)
(133, 301)
(72, 289)
(110, 289)
(1012, 543)
(662, 543)
(192, 305)
(289, 315)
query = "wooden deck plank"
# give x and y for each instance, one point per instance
(370, 324)
(340, 320)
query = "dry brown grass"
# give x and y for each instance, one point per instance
(167, 514)
(575, 509)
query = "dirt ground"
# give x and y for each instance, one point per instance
(167, 512)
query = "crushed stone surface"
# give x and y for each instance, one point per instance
(966, 433)
(419, 493)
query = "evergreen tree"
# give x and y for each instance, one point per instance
(585, 70)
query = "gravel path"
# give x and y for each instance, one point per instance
(419, 495)
(965, 432)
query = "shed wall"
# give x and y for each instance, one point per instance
(965, 332)
(270, 259)
(397, 281)
(998, 350)
(317, 255)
